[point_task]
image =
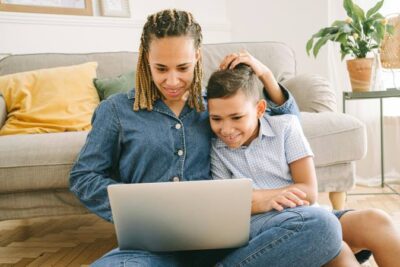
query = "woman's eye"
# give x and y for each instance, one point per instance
(161, 69)
(216, 119)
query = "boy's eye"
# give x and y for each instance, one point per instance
(236, 118)
(215, 119)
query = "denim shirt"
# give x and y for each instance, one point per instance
(126, 146)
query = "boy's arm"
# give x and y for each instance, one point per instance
(304, 177)
(299, 157)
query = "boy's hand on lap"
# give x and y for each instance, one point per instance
(287, 198)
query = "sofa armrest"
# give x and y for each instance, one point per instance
(312, 93)
(3, 111)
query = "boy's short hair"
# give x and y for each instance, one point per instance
(226, 83)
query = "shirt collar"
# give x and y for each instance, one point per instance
(131, 94)
(265, 127)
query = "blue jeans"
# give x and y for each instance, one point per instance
(301, 236)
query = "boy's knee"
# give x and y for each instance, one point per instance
(375, 217)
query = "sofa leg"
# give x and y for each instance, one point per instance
(338, 200)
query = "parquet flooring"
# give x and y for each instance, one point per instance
(78, 240)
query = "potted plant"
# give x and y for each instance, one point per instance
(358, 35)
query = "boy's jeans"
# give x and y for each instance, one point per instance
(301, 236)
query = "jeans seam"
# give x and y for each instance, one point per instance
(124, 263)
(263, 249)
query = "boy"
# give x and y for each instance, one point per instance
(274, 153)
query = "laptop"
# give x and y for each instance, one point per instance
(188, 215)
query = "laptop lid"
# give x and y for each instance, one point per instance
(189, 215)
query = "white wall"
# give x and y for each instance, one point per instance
(288, 21)
(293, 22)
(33, 33)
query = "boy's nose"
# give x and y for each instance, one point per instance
(226, 129)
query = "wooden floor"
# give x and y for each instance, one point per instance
(79, 240)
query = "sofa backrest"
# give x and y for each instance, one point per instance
(277, 56)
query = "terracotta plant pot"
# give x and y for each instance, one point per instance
(360, 70)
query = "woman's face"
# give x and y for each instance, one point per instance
(172, 61)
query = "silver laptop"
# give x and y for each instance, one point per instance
(172, 216)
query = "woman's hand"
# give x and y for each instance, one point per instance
(262, 201)
(232, 60)
(265, 75)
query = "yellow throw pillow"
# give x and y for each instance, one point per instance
(49, 100)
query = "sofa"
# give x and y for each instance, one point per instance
(34, 168)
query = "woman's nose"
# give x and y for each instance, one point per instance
(172, 79)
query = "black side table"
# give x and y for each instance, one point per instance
(374, 95)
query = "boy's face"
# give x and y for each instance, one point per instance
(235, 119)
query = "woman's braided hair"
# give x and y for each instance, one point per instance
(166, 23)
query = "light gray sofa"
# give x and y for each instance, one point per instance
(34, 169)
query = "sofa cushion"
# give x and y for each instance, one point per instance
(49, 100)
(111, 64)
(109, 86)
(3, 111)
(277, 56)
(334, 137)
(42, 162)
(313, 93)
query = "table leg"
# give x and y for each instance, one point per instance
(382, 144)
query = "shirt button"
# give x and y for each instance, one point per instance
(175, 179)
(178, 126)
(180, 152)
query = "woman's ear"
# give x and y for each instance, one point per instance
(261, 107)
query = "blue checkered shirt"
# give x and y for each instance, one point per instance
(266, 160)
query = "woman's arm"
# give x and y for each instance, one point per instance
(91, 174)
(279, 99)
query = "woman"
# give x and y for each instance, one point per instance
(160, 132)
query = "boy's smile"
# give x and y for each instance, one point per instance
(235, 119)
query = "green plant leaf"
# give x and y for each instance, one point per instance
(309, 46)
(374, 9)
(341, 38)
(380, 32)
(320, 43)
(322, 32)
(390, 29)
(346, 29)
(338, 23)
(367, 24)
(348, 6)
(358, 12)
(377, 16)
